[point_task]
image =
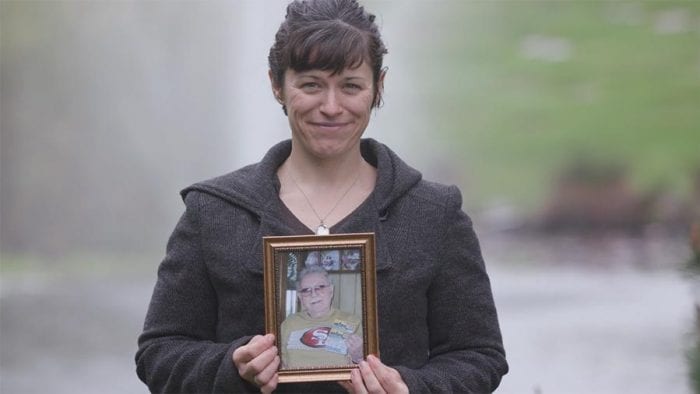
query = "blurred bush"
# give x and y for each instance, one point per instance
(521, 88)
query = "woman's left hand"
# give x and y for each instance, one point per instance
(373, 376)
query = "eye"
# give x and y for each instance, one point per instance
(352, 87)
(310, 86)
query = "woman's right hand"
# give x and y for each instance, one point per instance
(372, 377)
(257, 362)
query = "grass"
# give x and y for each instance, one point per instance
(78, 264)
(625, 94)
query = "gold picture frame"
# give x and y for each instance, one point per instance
(348, 278)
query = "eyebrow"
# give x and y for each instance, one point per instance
(320, 284)
(308, 74)
(310, 287)
(313, 74)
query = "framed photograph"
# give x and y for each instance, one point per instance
(320, 302)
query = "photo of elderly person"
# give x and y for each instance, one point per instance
(438, 327)
(350, 260)
(313, 259)
(319, 334)
(330, 259)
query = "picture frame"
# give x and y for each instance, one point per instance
(320, 300)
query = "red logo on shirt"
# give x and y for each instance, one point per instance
(315, 337)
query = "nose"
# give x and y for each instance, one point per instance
(331, 103)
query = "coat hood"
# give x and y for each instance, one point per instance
(256, 186)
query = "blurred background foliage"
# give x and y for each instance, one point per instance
(104, 115)
(534, 85)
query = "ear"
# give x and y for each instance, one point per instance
(380, 89)
(276, 89)
(380, 82)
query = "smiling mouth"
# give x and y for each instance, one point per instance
(329, 125)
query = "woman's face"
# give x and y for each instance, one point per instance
(328, 113)
(315, 294)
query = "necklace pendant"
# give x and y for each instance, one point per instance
(322, 230)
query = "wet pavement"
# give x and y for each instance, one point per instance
(573, 331)
(71, 335)
(568, 328)
(610, 315)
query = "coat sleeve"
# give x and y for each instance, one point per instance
(466, 350)
(177, 350)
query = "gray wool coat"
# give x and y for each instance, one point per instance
(437, 321)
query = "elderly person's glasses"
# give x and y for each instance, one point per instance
(308, 291)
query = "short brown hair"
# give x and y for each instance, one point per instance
(329, 35)
(314, 269)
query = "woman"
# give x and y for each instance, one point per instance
(438, 327)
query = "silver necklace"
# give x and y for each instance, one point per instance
(322, 229)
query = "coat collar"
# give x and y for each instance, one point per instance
(255, 188)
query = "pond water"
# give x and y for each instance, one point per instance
(597, 322)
